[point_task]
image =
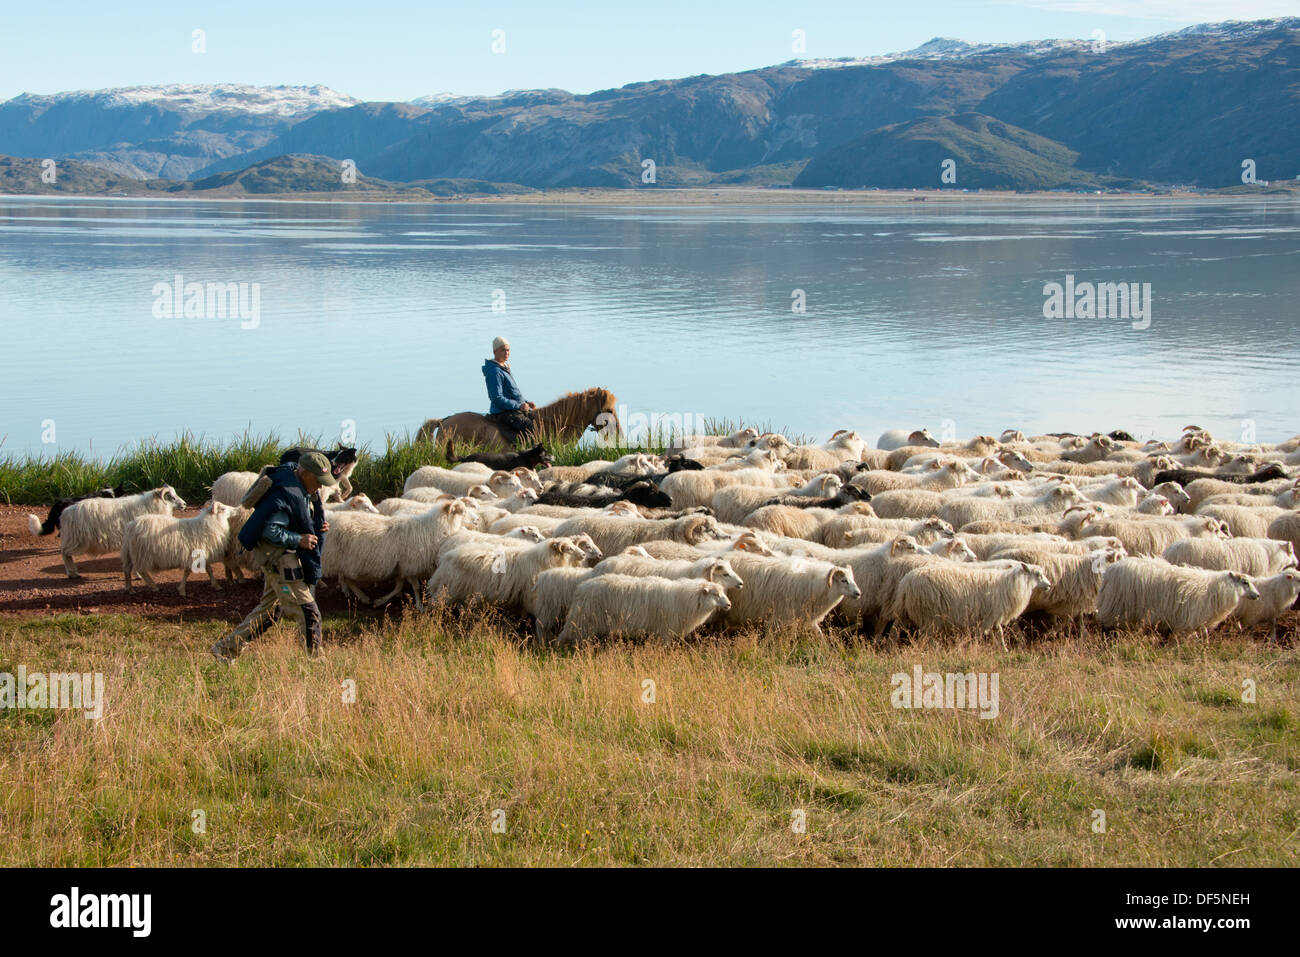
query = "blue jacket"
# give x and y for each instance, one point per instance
(283, 516)
(502, 390)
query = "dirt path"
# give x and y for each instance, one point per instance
(32, 582)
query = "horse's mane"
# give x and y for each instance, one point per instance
(604, 399)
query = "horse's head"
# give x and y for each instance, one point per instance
(602, 413)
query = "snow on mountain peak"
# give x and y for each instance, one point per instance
(946, 48)
(212, 98)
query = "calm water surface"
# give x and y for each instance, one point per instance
(382, 315)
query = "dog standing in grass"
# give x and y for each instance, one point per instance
(285, 533)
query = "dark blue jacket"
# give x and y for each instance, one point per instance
(283, 516)
(502, 390)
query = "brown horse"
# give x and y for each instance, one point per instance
(564, 420)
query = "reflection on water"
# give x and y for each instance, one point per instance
(382, 315)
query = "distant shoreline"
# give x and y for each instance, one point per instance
(684, 196)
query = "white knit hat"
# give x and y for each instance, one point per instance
(500, 343)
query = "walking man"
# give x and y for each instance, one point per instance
(285, 534)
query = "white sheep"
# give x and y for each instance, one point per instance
(1277, 594)
(898, 438)
(1148, 536)
(907, 503)
(553, 594)
(459, 483)
(791, 522)
(1151, 592)
(431, 493)
(936, 477)
(735, 440)
(1051, 502)
(1198, 490)
(986, 544)
(785, 590)
(1257, 557)
(733, 502)
(1286, 528)
(154, 543)
(978, 598)
(237, 558)
(359, 502)
(1076, 580)
(692, 489)
(612, 534)
(627, 606)
(713, 568)
(1123, 492)
(94, 526)
(1244, 522)
(746, 541)
(848, 531)
(523, 536)
(375, 548)
(501, 575)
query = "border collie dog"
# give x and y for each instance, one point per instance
(535, 458)
(342, 461)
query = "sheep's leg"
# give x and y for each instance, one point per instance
(417, 589)
(212, 578)
(70, 566)
(1002, 637)
(126, 573)
(380, 602)
(1272, 635)
(350, 588)
(148, 580)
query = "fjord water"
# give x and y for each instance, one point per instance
(381, 315)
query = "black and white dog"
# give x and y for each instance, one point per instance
(534, 458)
(342, 461)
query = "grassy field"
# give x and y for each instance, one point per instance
(454, 720)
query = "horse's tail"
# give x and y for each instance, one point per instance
(451, 450)
(429, 428)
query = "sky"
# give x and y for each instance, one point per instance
(403, 50)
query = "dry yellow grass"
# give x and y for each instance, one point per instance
(453, 720)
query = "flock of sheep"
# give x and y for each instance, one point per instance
(751, 530)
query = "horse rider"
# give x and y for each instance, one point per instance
(509, 410)
(285, 534)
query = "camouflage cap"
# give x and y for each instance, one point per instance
(319, 466)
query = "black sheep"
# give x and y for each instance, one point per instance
(587, 495)
(849, 493)
(1185, 476)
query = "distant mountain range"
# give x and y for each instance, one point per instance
(1184, 108)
